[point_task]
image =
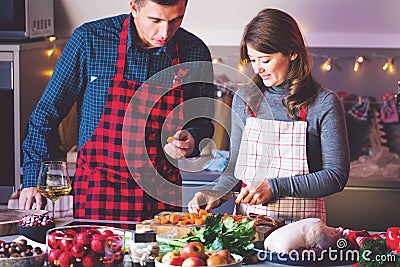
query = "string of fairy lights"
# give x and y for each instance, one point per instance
(329, 62)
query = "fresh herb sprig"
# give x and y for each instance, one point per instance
(378, 254)
(218, 234)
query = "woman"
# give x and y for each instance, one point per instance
(294, 149)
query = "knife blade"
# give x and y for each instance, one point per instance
(230, 195)
(220, 194)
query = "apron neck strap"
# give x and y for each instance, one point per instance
(303, 111)
(123, 37)
(257, 107)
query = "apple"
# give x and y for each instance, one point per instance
(176, 261)
(193, 261)
(193, 249)
(216, 260)
(226, 254)
(169, 255)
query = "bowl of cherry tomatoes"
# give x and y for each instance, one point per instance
(85, 245)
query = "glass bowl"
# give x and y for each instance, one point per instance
(21, 253)
(36, 233)
(85, 245)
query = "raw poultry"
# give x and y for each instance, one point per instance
(310, 233)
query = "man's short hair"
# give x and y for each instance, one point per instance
(141, 3)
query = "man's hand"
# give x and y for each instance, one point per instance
(182, 146)
(28, 197)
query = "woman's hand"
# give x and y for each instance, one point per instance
(260, 195)
(28, 197)
(209, 198)
(182, 146)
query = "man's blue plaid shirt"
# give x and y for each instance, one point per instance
(84, 72)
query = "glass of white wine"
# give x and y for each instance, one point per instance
(53, 181)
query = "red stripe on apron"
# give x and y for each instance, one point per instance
(274, 149)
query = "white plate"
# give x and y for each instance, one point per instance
(238, 262)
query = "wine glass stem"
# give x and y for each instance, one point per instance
(53, 203)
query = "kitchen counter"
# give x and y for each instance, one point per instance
(62, 222)
(363, 204)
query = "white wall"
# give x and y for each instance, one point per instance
(325, 23)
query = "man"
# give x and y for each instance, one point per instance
(106, 66)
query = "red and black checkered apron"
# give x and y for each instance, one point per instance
(274, 149)
(104, 187)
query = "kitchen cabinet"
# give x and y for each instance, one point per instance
(25, 69)
(365, 204)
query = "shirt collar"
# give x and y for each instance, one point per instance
(169, 48)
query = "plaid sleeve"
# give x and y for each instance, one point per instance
(60, 94)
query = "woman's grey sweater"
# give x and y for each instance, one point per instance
(327, 145)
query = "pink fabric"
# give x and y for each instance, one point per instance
(388, 111)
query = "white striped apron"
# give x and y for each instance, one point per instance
(273, 149)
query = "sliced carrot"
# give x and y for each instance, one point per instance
(164, 221)
(174, 218)
(202, 212)
(199, 221)
(183, 222)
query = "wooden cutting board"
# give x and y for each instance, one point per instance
(170, 230)
(179, 231)
(9, 220)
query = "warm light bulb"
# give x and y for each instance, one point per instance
(385, 67)
(215, 60)
(241, 68)
(48, 73)
(50, 52)
(327, 65)
(357, 64)
(52, 38)
(389, 67)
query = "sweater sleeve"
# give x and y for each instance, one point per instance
(330, 125)
(227, 180)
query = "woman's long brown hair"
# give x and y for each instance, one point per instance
(272, 31)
